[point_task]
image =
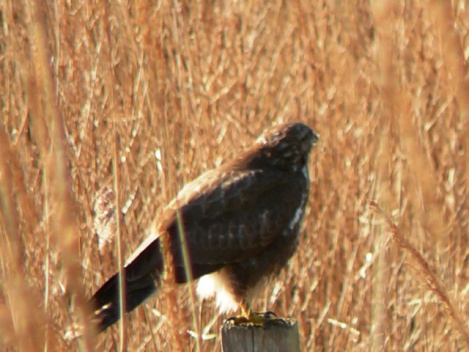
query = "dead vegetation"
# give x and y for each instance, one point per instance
(141, 97)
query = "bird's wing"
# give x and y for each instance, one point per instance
(230, 217)
(227, 217)
(191, 191)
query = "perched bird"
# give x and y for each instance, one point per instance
(239, 226)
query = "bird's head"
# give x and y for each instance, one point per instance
(285, 146)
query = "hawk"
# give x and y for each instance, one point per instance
(239, 225)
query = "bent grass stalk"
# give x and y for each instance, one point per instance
(424, 273)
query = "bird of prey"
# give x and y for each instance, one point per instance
(234, 227)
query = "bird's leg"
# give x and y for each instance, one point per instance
(245, 317)
(245, 310)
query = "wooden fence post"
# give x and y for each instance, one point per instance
(277, 337)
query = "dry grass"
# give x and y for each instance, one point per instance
(141, 97)
(424, 273)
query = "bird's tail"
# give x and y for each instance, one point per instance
(142, 277)
(107, 302)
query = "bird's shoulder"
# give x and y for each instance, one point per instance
(220, 190)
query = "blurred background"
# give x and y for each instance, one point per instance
(109, 108)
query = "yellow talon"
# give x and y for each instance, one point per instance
(250, 318)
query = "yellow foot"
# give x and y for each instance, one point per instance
(257, 319)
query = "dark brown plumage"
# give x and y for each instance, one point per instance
(241, 223)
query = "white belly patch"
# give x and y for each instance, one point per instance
(217, 284)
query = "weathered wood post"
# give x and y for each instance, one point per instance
(280, 336)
